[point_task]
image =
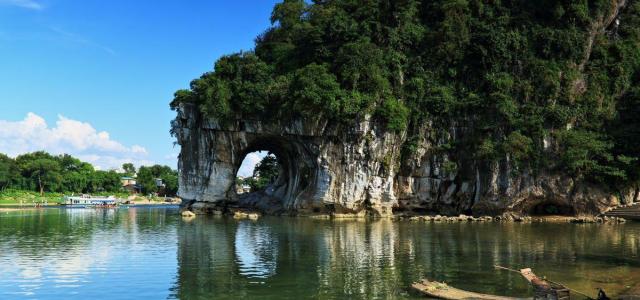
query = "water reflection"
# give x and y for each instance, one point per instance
(153, 253)
(256, 249)
(292, 258)
(84, 253)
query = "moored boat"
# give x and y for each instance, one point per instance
(90, 201)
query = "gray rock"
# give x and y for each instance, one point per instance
(331, 168)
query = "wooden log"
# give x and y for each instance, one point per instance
(443, 291)
(544, 289)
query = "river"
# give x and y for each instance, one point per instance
(151, 253)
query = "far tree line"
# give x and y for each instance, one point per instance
(44, 172)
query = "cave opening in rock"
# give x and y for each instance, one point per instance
(549, 208)
(262, 181)
(259, 170)
(274, 175)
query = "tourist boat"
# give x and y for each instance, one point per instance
(90, 201)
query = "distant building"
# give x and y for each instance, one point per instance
(127, 181)
(130, 184)
(159, 183)
(161, 187)
(241, 186)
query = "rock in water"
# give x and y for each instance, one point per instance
(188, 214)
(246, 215)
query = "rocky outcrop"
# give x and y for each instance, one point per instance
(336, 169)
(320, 171)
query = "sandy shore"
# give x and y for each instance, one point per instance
(152, 203)
(8, 209)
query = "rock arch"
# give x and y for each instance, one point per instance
(320, 173)
(297, 162)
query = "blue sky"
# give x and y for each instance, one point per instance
(94, 77)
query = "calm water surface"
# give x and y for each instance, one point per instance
(151, 253)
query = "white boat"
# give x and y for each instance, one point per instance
(90, 201)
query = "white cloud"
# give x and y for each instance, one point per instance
(29, 4)
(250, 162)
(74, 137)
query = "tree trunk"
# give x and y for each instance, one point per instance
(41, 187)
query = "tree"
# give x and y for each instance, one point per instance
(626, 134)
(170, 180)
(316, 89)
(8, 171)
(45, 172)
(75, 174)
(265, 173)
(588, 153)
(64, 173)
(147, 178)
(129, 169)
(288, 13)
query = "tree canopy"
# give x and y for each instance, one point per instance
(43, 172)
(147, 176)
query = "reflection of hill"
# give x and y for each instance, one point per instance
(103, 252)
(205, 257)
(256, 249)
(302, 258)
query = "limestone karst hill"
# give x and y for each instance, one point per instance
(451, 106)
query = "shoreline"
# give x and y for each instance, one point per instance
(506, 218)
(254, 215)
(11, 207)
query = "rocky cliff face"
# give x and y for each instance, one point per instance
(328, 168)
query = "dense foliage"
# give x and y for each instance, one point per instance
(515, 73)
(43, 172)
(147, 178)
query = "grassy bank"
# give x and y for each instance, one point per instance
(20, 197)
(11, 197)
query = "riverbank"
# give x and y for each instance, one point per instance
(19, 199)
(28, 198)
(9, 209)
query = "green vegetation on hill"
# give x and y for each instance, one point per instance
(49, 175)
(514, 73)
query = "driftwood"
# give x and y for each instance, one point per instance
(544, 289)
(443, 291)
